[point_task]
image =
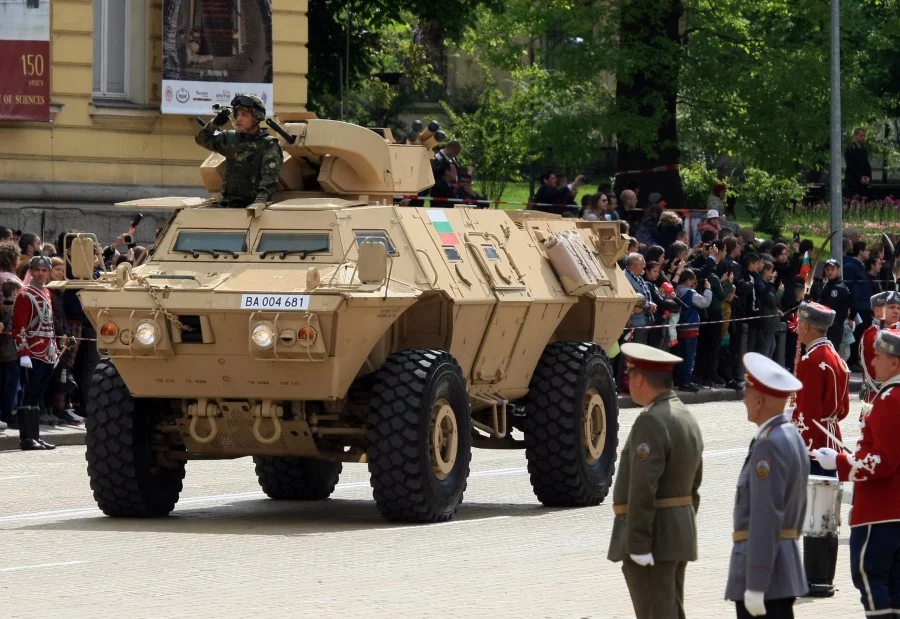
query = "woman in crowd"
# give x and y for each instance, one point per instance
(666, 303)
(9, 260)
(669, 226)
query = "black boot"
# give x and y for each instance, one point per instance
(37, 429)
(27, 441)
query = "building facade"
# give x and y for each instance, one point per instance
(107, 140)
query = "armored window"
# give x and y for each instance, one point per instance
(490, 252)
(377, 235)
(452, 254)
(224, 240)
(273, 242)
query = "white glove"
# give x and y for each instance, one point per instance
(643, 560)
(25, 362)
(755, 602)
(827, 457)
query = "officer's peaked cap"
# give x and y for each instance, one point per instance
(769, 378)
(650, 359)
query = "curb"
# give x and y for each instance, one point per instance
(60, 436)
(63, 436)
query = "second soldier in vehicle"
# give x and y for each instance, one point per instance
(253, 157)
(656, 496)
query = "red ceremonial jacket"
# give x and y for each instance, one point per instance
(867, 356)
(825, 396)
(32, 324)
(875, 467)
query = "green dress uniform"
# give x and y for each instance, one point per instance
(656, 500)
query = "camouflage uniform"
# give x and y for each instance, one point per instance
(252, 167)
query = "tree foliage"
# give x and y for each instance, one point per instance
(752, 77)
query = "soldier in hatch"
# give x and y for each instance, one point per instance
(253, 157)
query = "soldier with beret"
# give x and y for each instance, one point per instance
(875, 470)
(825, 398)
(656, 496)
(766, 575)
(35, 338)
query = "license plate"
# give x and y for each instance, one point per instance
(278, 302)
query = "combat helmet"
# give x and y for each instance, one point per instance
(249, 101)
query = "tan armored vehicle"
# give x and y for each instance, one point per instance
(334, 326)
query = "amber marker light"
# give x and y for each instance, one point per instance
(307, 335)
(109, 330)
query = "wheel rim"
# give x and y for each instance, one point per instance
(594, 425)
(444, 439)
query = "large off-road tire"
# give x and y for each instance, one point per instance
(297, 479)
(572, 396)
(420, 436)
(126, 477)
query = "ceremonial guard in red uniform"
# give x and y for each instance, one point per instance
(825, 398)
(32, 329)
(875, 470)
(867, 351)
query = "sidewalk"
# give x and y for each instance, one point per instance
(69, 435)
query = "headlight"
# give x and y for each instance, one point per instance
(263, 336)
(145, 333)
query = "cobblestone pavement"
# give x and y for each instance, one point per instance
(228, 551)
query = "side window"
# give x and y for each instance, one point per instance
(379, 235)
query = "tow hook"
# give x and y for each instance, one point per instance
(209, 411)
(272, 412)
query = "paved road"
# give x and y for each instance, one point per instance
(228, 551)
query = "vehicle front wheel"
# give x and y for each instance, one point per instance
(127, 477)
(420, 436)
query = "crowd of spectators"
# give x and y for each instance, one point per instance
(62, 403)
(723, 292)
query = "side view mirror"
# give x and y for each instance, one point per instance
(81, 254)
(372, 263)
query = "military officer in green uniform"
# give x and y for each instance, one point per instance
(253, 157)
(766, 574)
(656, 498)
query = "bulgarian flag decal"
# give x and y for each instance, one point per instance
(439, 218)
(805, 267)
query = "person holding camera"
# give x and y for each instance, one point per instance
(689, 327)
(253, 156)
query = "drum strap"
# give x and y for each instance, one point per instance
(675, 501)
(744, 534)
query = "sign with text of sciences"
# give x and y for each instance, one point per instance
(25, 61)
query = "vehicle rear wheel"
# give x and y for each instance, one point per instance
(420, 436)
(297, 479)
(127, 477)
(571, 425)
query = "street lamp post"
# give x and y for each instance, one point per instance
(837, 216)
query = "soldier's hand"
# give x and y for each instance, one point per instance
(222, 117)
(755, 602)
(827, 458)
(643, 560)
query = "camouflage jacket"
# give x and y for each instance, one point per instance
(253, 163)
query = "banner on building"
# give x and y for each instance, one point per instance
(214, 49)
(25, 60)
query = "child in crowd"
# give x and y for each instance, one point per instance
(689, 327)
(9, 358)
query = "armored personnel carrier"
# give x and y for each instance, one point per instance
(335, 326)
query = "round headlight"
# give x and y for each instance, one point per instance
(145, 333)
(263, 336)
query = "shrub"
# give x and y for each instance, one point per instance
(770, 198)
(697, 181)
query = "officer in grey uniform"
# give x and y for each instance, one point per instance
(766, 572)
(656, 498)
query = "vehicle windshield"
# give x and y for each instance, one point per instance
(225, 241)
(376, 235)
(280, 242)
